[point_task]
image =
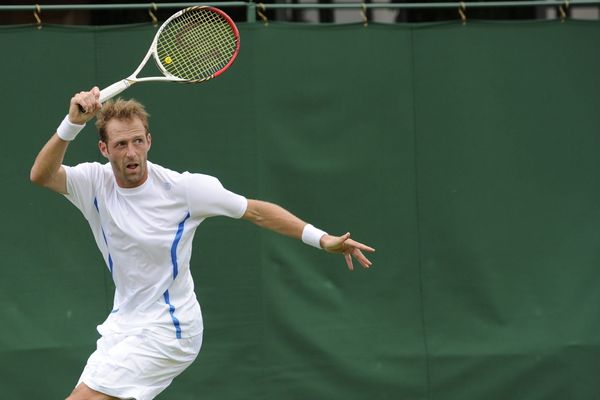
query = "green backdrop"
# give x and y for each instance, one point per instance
(467, 155)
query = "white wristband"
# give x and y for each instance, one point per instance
(67, 130)
(312, 236)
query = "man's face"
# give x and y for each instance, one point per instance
(127, 150)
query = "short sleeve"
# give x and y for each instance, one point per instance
(208, 198)
(81, 182)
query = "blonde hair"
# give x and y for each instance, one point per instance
(122, 110)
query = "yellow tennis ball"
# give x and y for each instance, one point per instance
(168, 60)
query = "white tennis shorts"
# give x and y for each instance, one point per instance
(138, 366)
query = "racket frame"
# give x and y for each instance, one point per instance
(119, 86)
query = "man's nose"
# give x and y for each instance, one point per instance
(130, 150)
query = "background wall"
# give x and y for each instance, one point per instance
(467, 155)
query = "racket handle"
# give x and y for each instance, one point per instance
(111, 91)
(114, 89)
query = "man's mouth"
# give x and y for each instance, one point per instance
(132, 166)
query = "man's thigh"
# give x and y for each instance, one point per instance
(137, 366)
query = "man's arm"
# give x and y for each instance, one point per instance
(47, 168)
(278, 219)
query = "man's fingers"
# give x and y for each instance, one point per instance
(351, 249)
(356, 253)
(348, 258)
(358, 245)
(364, 261)
(88, 102)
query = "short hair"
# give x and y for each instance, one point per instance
(122, 110)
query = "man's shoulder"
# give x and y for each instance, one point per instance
(159, 170)
(186, 176)
(89, 168)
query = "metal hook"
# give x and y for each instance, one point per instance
(363, 12)
(261, 10)
(562, 9)
(152, 15)
(462, 11)
(36, 14)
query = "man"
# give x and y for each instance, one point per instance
(143, 217)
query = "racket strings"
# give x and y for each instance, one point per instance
(196, 45)
(191, 48)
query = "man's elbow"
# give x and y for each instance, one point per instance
(253, 213)
(37, 177)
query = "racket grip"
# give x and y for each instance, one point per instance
(114, 89)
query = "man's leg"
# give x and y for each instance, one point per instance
(83, 392)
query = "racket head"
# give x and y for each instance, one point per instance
(196, 44)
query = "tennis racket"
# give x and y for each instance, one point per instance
(194, 45)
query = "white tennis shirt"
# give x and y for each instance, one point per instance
(145, 236)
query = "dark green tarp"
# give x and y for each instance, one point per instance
(467, 155)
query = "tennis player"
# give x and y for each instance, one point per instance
(143, 217)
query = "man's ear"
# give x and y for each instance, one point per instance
(149, 137)
(103, 148)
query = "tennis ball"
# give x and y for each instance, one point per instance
(168, 60)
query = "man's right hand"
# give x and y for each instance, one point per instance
(89, 101)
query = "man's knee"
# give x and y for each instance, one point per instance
(83, 392)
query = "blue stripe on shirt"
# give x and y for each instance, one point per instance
(172, 312)
(174, 246)
(110, 261)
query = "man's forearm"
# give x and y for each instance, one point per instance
(273, 217)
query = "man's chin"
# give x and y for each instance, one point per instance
(133, 178)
